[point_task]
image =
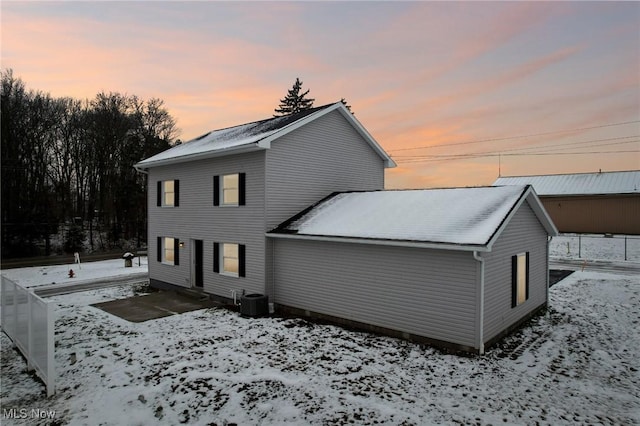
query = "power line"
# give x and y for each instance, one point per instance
(516, 137)
(557, 147)
(524, 154)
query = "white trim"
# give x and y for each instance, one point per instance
(480, 259)
(221, 190)
(143, 166)
(221, 260)
(164, 192)
(378, 242)
(538, 210)
(164, 260)
(519, 256)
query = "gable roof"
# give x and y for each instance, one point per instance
(627, 182)
(254, 136)
(453, 218)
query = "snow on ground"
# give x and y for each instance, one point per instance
(85, 272)
(595, 247)
(577, 363)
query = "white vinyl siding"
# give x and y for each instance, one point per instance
(198, 218)
(430, 293)
(523, 234)
(306, 165)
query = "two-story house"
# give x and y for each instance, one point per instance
(294, 207)
(212, 199)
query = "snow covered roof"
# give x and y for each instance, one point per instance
(253, 136)
(579, 184)
(455, 218)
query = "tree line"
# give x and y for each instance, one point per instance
(67, 165)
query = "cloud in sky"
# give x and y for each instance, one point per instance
(416, 73)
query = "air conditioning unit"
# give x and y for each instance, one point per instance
(254, 305)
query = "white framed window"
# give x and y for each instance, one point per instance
(229, 259)
(229, 190)
(168, 195)
(168, 250)
(520, 279)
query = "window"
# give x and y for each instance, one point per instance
(168, 193)
(168, 250)
(520, 279)
(229, 259)
(228, 190)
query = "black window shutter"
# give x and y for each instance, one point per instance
(216, 190)
(159, 199)
(159, 249)
(176, 193)
(176, 251)
(216, 257)
(241, 260)
(241, 184)
(514, 281)
(527, 279)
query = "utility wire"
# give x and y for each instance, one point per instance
(559, 147)
(516, 137)
(524, 154)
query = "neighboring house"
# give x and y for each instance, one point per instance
(596, 203)
(459, 268)
(454, 267)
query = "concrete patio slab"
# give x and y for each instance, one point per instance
(154, 306)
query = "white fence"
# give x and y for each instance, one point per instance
(29, 321)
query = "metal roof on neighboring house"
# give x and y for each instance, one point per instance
(253, 136)
(600, 183)
(451, 218)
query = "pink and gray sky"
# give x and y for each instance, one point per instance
(454, 91)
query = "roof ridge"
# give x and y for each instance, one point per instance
(264, 120)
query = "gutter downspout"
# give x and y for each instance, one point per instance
(549, 238)
(480, 259)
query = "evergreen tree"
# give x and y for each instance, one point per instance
(343, 100)
(295, 101)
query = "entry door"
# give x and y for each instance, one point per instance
(197, 263)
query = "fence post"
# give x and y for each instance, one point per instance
(579, 246)
(625, 247)
(29, 332)
(15, 314)
(51, 345)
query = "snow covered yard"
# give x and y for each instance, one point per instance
(575, 364)
(595, 247)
